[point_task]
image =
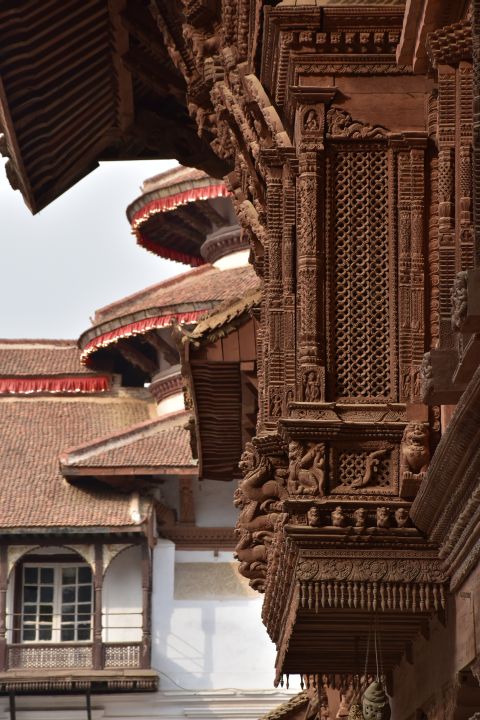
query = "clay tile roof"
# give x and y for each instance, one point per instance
(170, 178)
(226, 313)
(154, 446)
(288, 709)
(184, 298)
(33, 433)
(40, 357)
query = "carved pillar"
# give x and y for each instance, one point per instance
(476, 125)
(3, 606)
(309, 140)
(146, 606)
(187, 502)
(411, 193)
(274, 368)
(97, 615)
(465, 229)
(288, 263)
(446, 187)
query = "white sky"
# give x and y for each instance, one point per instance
(75, 256)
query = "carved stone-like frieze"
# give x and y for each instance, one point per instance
(364, 413)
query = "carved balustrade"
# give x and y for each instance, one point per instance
(75, 656)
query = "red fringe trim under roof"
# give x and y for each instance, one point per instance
(137, 328)
(167, 204)
(73, 384)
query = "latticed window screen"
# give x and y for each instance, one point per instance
(56, 603)
(361, 274)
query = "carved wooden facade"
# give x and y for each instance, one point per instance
(352, 180)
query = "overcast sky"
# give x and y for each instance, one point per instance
(76, 255)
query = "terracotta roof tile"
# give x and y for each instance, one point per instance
(202, 284)
(171, 177)
(159, 443)
(33, 433)
(40, 357)
(289, 708)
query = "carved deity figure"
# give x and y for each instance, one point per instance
(459, 298)
(415, 453)
(375, 703)
(372, 465)
(360, 517)
(383, 517)
(310, 121)
(306, 474)
(426, 375)
(338, 517)
(401, 517)
(311, 387)
(313, 516)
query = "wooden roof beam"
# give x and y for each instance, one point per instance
(135, 357)
(156, 341)
(125, 111)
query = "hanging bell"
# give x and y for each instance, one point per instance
(375, 704)
(355, 712)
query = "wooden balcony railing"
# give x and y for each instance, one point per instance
(70, 656)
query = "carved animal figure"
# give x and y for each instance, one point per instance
(313, 516)
(251, 515)
(258, 483)
(338, 518)
(372, 465)
(360, 517)
(307, 470)
(252, 557)
(383, 517)
(415, 452)
(401, 517)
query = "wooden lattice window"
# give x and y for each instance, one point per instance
(56, 603)
(361, 302)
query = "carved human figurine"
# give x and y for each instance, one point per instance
(383, 517)
(372, 465)
(375, 703)
(401, 517)
(311, 387)
(324, 713)
(313, 516)
(307, 470)
(338, 518)
(415, 452)
(360, 517)
(343, 708)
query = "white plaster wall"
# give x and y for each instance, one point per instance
(122, 598)
(233, 260)
(171, 404)
(206, 644)
(214, 503)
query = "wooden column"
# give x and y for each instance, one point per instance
(145, 658)
(310, 238)
(3, 606)
(97, 615)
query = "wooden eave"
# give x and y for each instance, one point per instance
(447, 506)
(77, 681)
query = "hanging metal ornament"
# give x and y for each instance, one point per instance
(375, 703)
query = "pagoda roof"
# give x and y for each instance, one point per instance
(35, 430)
(46, 366)
(184, 299)
(174, 214)
(78, 85)
(153, 447)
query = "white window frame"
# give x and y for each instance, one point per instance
(57, 603)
